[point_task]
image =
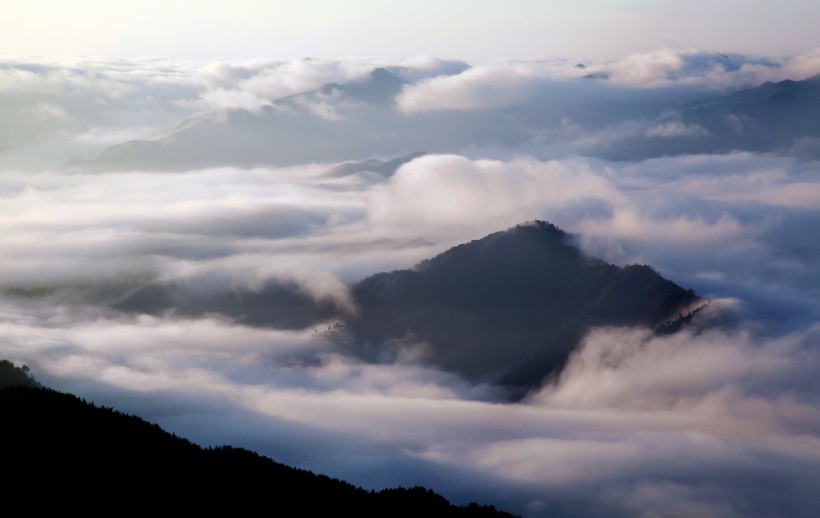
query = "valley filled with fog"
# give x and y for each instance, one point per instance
(184, 241)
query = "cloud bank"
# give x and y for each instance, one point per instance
(205, 299)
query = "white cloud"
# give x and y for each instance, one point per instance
(109, 136)
(803, 66)
(302, 75)
(670, 67)
(676, 129)
(684, 72)
(47, 110)
(447, 193)
(477, 88)
(620, 416)
(607, 436)
(223, 99)
(628, 223)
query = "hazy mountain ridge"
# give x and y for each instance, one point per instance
(511, 307)
(277, 304)
(384, 168)
(336, 122)
(344, 122)
(771, 117)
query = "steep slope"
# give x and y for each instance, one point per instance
(510, 307)
(62, 454)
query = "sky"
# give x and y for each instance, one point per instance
(144, 201)
(479, 29)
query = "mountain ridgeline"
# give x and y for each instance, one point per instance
(349, 121)
(772, 118)
(63, 454)
(509, 308)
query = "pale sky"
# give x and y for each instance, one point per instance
(467, 29)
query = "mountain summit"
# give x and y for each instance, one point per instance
(511, 307)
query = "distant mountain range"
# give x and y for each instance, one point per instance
(358, 120)
(777, 117)
(335, 123)
(511, 307)
(64, 455)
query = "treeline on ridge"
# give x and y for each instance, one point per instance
(62, 453)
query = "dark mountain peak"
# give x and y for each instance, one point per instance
(517, 246)
(535, 228)
(510, 307)
(541, 228)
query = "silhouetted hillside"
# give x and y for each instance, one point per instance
(510, 307)
(11, 375)
(62, 454)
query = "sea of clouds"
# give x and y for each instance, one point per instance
(721, 419)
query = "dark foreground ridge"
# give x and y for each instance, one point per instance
(62, 454)
(511, 307)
